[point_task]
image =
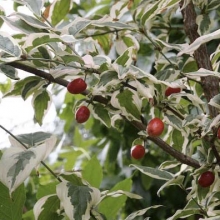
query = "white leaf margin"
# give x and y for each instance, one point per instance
(13, 49)
(8, 160)
(38, 207)
(199, 41)
(62, 193)
(141, 212)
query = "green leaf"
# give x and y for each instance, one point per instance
(141, 212)
(178, 139)
(104, 41)
(11, 206)
(125, 59)
(128, 102)
(9, 71)
(73, 178)
(21, 25)
(48, 207)
(101, 113)
(19, 85)
(41, 102)
(115, 203)
(33, 139)
(178, 180)
(149, 12)
(183, 213)
(17, 163)
(21, 161)
(38, 39)
(77, 200)
(204, 23)
(78, 25)
(45, 190)
(30, 87)
(115, 24)
(35, 6)
(199, 41)
(32, 21)
(92, 172)
(154, 172)
(215, 101)
(9, 45)
(60, 11)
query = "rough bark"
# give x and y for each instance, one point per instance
(210, 84)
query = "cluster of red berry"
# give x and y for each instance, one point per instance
(154, 128)
(75, 87)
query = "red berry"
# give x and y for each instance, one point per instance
(76, 86)
(218, 133)
(206, 179)
(137, 152)
(171, 90)
(82, 114)
(155, 127)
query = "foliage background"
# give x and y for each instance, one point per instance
(138, 49)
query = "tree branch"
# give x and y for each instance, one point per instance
(163, 145)
(168, 149)
(210, 84)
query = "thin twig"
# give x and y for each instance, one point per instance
(163, 145)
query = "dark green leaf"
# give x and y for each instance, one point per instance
(41, 102)
(9, 71)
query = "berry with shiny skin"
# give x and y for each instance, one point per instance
(82, 114)
(137, 152)
(171, 90)
(206, 179)
(155, 127)
(76, 86)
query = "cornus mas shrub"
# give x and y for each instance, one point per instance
(132, 53)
